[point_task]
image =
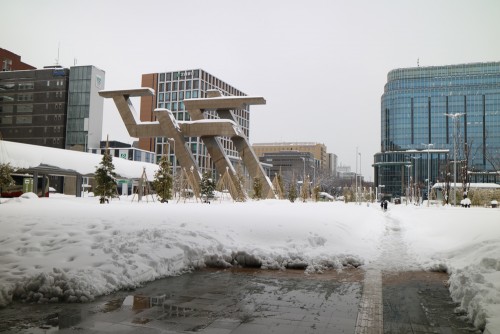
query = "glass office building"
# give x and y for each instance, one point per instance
(171, 89)
(434, 116)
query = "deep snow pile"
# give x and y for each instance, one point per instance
(73, 249)
(465, 243)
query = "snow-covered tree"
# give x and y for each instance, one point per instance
(304, 194)
(257, 188)
(6, 179)
(163, 181)
(105, 178)
(316, 191)
(207, 187)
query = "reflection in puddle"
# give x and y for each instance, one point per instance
(212, 300)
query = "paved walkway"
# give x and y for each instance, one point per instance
(258, 301)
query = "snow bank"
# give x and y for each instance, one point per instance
(466, 243)
(73, 249)
(67, 249)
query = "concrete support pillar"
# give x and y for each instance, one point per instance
(35, 182)
(78, 185)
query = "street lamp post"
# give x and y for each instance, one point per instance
(380, 186)
(174, 165)
(455, 122)
(360, 180)
(416, 178)
(408, 187)
(428, 172)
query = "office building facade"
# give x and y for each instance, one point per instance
(33, 106)
(54, 106)
(171, 88)
(317, 150)
(85, 108)
(432, 117)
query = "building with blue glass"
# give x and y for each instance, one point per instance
(437, 122)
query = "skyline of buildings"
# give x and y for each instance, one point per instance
(60, 107)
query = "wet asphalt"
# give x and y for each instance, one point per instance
(237, 301)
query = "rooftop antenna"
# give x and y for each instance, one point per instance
(58, 47)
(418, 62)
(74, 61)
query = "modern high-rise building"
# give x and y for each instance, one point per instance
(171, 88)
(54, 106)
(438, 120)
(85, 108)
(33, 106)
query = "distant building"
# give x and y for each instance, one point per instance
(332, 164)
(124, 151)
(54, 106)
(317, 150)
(10, 61)
(171, 89)
(33, 106)
(291, 164)
(416, 132)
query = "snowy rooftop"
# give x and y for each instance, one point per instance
(26, 156)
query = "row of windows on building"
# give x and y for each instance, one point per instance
(478, 82)
(173, 81)
(31, 96)
(30, 119)
(26, 85)
(444, 71)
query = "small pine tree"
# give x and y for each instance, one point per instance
(257, 188)
(292, 190)
(163, 180)
(6, 179)
(207, 187)
(105, 177)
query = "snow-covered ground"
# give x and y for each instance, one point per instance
(73, 249)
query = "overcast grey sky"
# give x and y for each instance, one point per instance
(321, 65)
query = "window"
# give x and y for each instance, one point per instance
(24, 119)
(25, 108)
(6, 120)
(188, 95)
(24, 97)
(7, 86)
(6, 108)
(26, 85)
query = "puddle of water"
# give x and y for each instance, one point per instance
(211, 300)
